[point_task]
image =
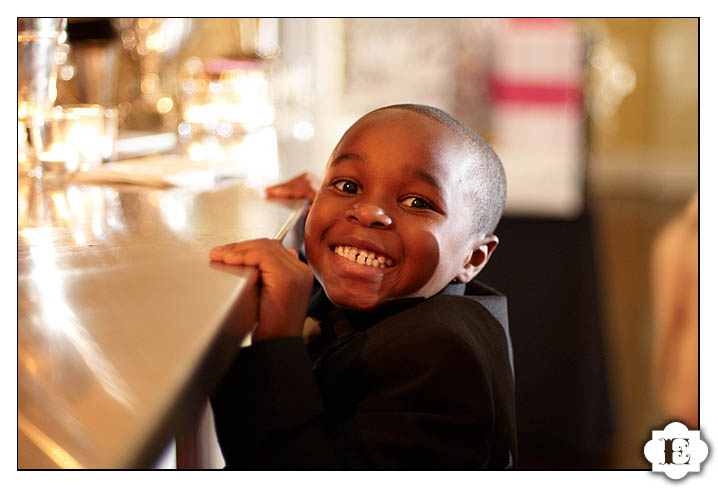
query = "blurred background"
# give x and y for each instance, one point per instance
(596, 121)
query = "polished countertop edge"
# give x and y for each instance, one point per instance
(214, 363)
(186, 391)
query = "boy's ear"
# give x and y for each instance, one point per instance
(478, 259)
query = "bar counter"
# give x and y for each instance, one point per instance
(124, 324)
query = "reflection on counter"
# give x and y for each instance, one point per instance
(65, 331)
(71, 216)
(90, 213)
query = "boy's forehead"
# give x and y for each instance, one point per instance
(399, 118)
(402, 130)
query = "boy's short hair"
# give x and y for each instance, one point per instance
(487, 184)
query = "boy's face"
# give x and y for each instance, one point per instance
(395, 186)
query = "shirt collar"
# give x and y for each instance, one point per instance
(328, 314)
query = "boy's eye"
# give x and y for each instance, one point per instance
(416, 203)
(346, 186)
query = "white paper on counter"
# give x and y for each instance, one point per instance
(160, 171)
(156, 171)
(134, 144)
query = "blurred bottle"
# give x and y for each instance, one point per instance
(38, 40)
(256, 37)
(95, 50)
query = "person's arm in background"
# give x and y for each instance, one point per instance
(675, 305)
(303, 186)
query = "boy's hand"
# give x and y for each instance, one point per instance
(305, 186)
(285, 284)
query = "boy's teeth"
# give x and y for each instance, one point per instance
(363, 257)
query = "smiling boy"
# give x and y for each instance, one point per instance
(407, 371)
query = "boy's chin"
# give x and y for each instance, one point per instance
(353, 301)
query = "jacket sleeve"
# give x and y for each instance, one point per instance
(425, 403)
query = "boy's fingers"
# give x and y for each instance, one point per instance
(235, 258)
(218, 252)
(251, 252)
(276, 190)
(292, 190)
(267, 260)
(285, 192)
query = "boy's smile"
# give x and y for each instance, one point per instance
(391, 219)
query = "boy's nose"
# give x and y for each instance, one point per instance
(368, 215)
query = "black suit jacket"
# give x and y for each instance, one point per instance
(417, 384)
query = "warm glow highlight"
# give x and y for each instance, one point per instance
(164, 105)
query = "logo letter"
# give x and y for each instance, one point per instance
(676, 450)
(681, 455)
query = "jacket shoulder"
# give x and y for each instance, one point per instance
(439, 323)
